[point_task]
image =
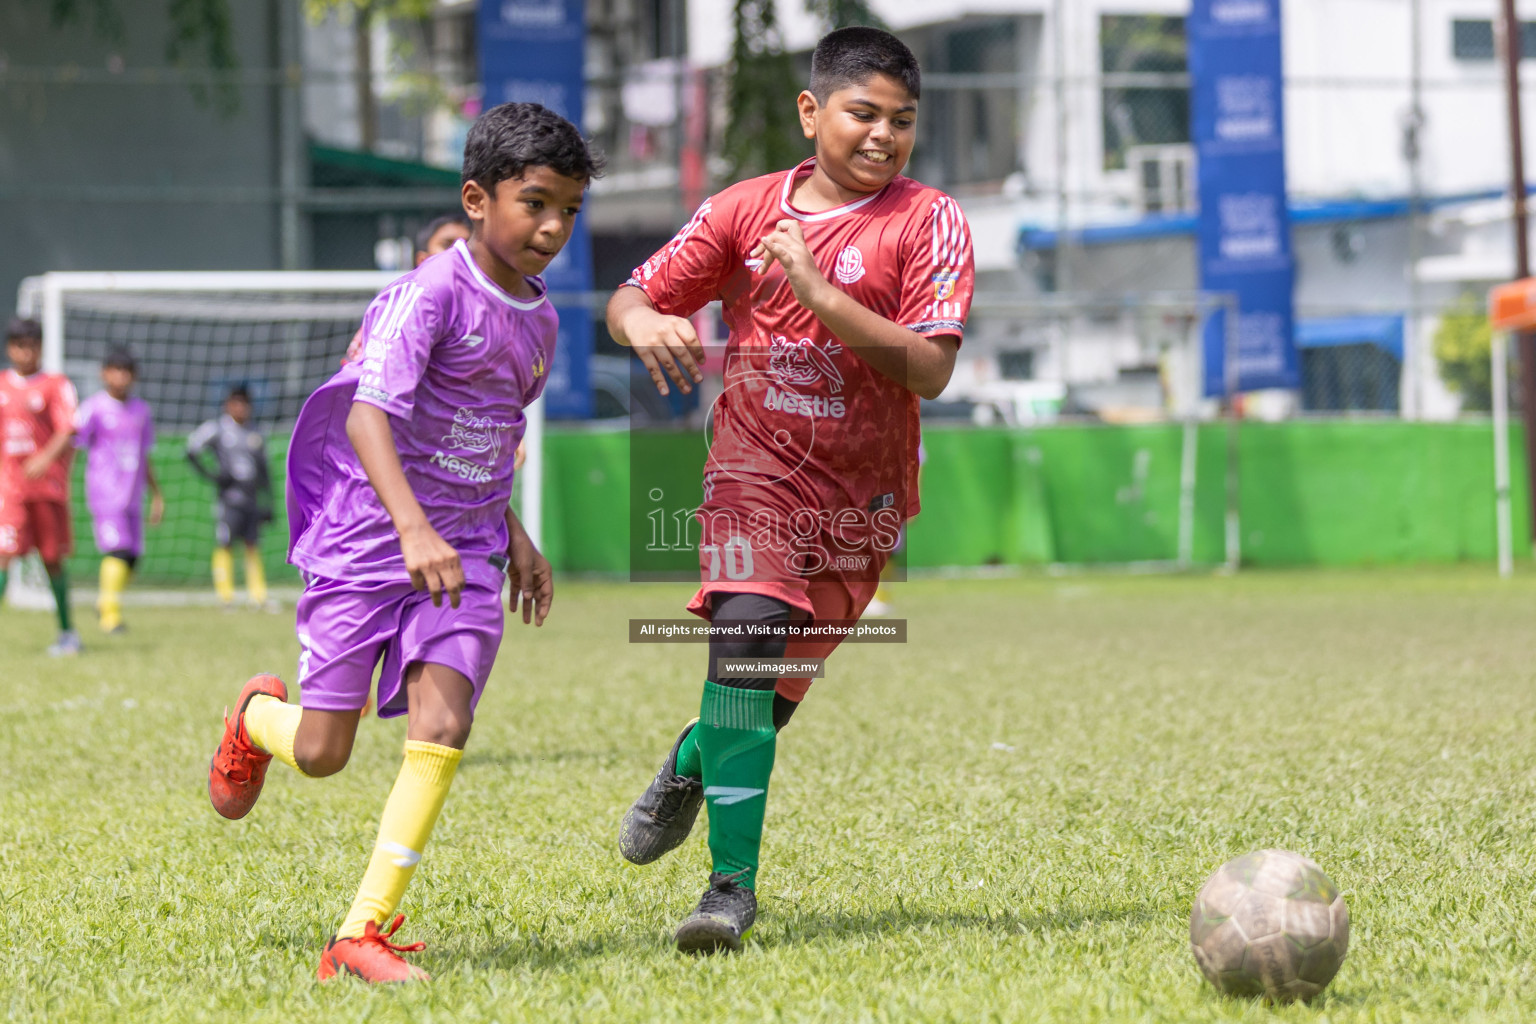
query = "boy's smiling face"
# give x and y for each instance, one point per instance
(528, 220)
(864, 132)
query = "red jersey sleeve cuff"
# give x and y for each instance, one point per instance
(658, 302)
(928, 328)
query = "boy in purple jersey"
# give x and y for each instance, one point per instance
(399, 483)
(117, 431)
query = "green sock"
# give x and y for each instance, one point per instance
(689, 764)
(736, 747)
(60, 585)
(5, 578)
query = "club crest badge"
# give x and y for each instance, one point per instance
(944, 284)
(850, 265)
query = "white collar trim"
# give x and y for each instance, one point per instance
(836, 211)
(496, 289)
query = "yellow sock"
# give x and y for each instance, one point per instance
(224, 574)
(255, 576)
(114, 578)
(409, 815)
(272, 725)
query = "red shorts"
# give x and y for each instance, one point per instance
(41, 526)
(756, 539)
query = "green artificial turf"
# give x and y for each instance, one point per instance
(1005, 819)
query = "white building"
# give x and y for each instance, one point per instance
(1043, 114)
(1349, 66)
(1045, 118)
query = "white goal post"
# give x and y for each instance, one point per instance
(1082, 345)
(133, 308)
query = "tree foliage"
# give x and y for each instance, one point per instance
(1463, 347)
(762, 131)
(200, 36)
(102, 16)
(835, 14)
(413, 10)
(1152, 44)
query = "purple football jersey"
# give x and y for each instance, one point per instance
(117, 437)
(454, 360)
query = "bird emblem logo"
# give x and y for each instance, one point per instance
(799, 363)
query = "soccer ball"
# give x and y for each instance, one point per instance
(1269, 924)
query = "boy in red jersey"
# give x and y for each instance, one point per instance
(37, 425)
(846, 287)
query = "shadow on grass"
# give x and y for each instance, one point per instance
(784, 926)
(1325, 1000)
(522, 949)
(531, 952)
(498, 758)
(797, 926)
(528, 951)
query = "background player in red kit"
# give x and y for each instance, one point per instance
(37, 424)
(846, 288)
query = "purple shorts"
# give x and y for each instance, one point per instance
(120, 531)
(346, 627)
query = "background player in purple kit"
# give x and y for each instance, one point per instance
(399, 483)
(117, 431)
(438, 236)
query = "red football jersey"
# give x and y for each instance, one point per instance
(32, 410)
(800, 408)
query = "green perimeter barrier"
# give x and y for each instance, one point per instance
(1328, 493)
(1335, 493)
(178, 550)
(1386, 493)
(1331, 493)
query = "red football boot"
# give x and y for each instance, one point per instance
(373, 958)
(239, 767)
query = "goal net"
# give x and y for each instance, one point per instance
(1119, 455)
(194, 336)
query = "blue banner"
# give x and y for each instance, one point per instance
(532, 51)
(1238, 123)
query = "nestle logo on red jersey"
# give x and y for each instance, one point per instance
(804, 405)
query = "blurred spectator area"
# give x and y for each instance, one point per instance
(323, 137)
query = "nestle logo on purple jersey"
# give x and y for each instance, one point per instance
(462, 468)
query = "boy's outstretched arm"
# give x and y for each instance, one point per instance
(667, 345)
(431, 561)
(915, 361)
(61, 442)
(197, 443)
(533, 582)
(156, 497)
